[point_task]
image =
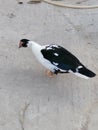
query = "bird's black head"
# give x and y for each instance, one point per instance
(23, 43)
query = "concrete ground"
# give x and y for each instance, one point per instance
(29, 100)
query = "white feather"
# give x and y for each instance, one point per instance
(36, 49)
(55, 63)
(82, 76)
(79, 75)
(56, 54)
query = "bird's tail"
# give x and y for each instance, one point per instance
(83, 72)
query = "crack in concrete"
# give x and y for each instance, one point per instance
(86, 123)
(87, 116)
(22, 115)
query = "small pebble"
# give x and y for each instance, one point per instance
(78, 2)
(89, 42)
(11, 15)
(20, 2)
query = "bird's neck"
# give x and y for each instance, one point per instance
(34, 46)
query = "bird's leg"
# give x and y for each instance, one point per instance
(49, 73)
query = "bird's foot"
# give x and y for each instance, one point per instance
(49, 73)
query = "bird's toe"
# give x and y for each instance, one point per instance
(49, 73)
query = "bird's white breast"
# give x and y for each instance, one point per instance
(36, 49)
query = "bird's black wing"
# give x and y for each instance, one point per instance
(60, 57)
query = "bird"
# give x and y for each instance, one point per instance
(57, 59)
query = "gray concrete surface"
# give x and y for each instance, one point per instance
(29, 100)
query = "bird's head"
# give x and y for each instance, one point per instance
(24, 43)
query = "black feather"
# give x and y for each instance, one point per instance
(64, 59)
(86, 72)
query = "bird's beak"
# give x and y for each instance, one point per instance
(20, 44)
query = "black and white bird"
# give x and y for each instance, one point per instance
(57, 59)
